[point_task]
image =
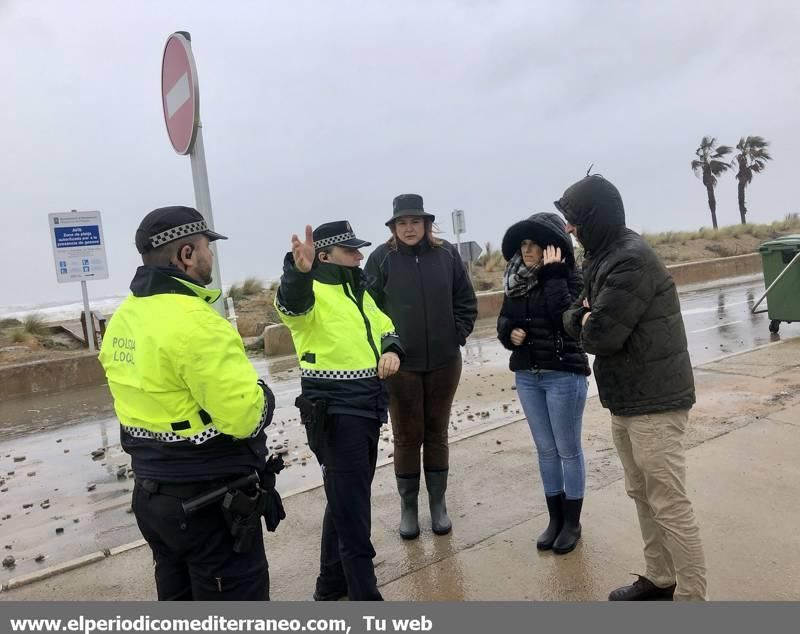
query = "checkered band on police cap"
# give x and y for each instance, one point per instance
(326, 242)
(178, 232)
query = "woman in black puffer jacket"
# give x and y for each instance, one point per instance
(541, 282)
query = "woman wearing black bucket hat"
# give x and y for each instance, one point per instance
(422, 284)
(541, 282)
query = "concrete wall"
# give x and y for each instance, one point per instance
(42, 377)
(718, 269)
(278, 342)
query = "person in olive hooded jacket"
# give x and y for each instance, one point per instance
(422, 284)
(629, 317)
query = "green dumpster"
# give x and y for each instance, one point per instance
(781, 262)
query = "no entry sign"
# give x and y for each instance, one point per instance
(179, 95)
(180, 100)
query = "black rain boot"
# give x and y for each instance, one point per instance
(571, 532)
(436, 481)
(408, 487)
(555, 507)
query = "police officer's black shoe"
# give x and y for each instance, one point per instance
(642, 590)
(330, 595)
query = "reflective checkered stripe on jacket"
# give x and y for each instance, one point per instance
(208, 432)
(170, 436)
(339, 375)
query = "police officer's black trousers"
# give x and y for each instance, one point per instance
(194, 557)
(348, 457)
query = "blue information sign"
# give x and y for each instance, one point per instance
(85, 236)
(78, 246)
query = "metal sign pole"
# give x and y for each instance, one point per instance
(231, 312)
(202, 197)
(88, 314)
(458, 228)
(469, 263)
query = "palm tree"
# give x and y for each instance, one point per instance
(708, 165)
(751, 159)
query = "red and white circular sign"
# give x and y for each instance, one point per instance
(179, 96)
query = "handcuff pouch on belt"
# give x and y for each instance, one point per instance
(242, 512)
(314, 416)
(272, 507)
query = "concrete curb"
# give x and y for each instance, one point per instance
(125, 548)
(52, 571)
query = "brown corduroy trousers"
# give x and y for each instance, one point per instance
(420, 405)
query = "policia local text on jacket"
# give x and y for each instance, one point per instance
(192, 415)
(339, 335)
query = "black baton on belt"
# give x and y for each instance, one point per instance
(204, 499)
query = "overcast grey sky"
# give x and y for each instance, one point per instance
(315, 111)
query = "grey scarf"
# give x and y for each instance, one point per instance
(518, 279)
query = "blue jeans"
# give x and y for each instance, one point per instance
(553, 403)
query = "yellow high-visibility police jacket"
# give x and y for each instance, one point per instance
(186, 395)
(339, 334)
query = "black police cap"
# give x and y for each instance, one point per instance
(339, 234)
(167, 224)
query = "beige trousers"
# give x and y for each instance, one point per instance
(654, 459)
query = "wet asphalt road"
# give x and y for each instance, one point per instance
(49, 479)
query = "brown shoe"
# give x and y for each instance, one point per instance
(642, 590)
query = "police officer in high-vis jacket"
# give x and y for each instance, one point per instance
(192, 412)
(346, 346)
